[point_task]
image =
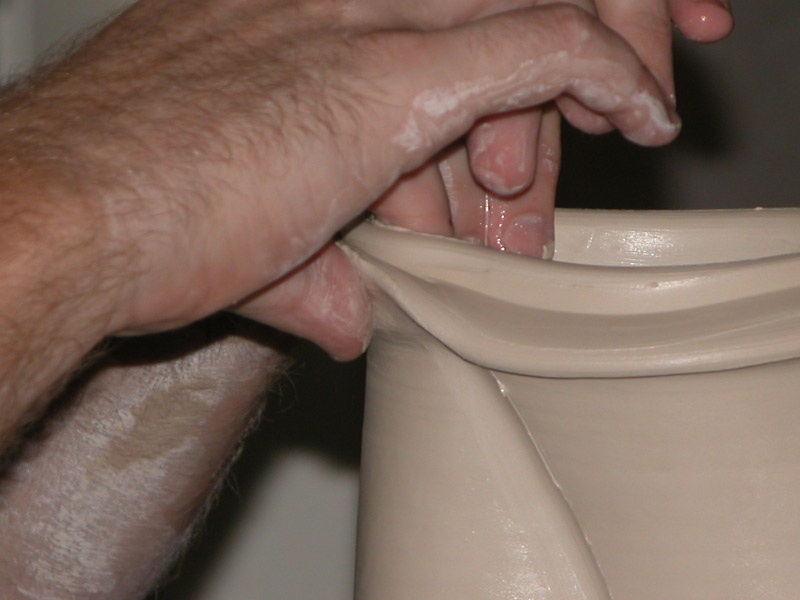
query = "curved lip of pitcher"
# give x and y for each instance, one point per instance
(728, 309)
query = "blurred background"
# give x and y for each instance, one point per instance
(284, 527)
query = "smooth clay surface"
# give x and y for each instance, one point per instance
(619, 423)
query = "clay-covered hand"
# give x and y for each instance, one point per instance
(501, 190)
(221, 144)
(647, 26)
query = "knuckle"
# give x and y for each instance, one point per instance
(574, 25)
(375, 50)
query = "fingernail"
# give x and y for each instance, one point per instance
(507, 168)
(529, 235)
(504, 189)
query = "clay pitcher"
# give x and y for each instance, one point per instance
(621, 422)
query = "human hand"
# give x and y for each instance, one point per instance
(500, 188)
(225, 160)
(647, 26)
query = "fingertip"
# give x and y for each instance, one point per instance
(502, 152)
(499, 183)
(343, 307)
(705, 22)
(646, 116)
(325, 301)
(529, 234)
(650, 119)
(660, 130)
(354, 325)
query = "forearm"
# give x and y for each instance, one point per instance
(71, 168)
(60, 286)
(99, 505)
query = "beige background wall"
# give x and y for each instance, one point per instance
(16, 40)
(284, 529)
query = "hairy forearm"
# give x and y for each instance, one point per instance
(59, 287)
(69, 169)
(100, 503)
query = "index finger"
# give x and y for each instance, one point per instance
(512, 61)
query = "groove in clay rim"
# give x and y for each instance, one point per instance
(737, 306)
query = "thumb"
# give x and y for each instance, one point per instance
(324, 301)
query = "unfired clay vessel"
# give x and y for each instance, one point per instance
(622, 422)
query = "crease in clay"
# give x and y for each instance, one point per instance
(543, 541)
(505, 393)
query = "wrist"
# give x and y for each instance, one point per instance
(58, 249)
(64, 284)
(70, 207)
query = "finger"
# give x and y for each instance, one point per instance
(417, 202)
(523, 224)
(646, 26)
(502, 151)
(465, 197)
(324, 301)
(516, 61)
(534, 210)
(583, 118)
(702, 20)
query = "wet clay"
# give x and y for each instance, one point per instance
(621, 422)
